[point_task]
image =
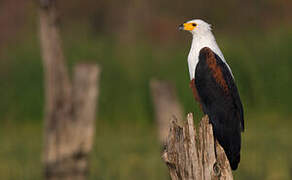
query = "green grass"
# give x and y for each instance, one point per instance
(120, 152)
(131, 151)
(266, 148)
(261, 64)
(128, 151)
(20, 154)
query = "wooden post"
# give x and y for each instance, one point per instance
(166, 105)
(69, 109)
(190, 153)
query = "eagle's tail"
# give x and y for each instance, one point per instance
(234, 161)
(230, 140)
(232, 146)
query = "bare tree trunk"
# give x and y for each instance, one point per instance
(69, 111)
(190, 153)
(166, 105)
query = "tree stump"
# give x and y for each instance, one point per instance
(166, 105)
(192, 154)
(70, 107)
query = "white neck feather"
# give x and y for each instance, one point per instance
(200, 41)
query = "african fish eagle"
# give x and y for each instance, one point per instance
(213, 86)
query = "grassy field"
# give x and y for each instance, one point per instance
(126, 145)
(131, 151)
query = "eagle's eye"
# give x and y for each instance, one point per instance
(194, 24)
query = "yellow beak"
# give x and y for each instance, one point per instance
(186, 27)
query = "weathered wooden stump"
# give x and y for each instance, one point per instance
(192, 154)
(166, 105)
(70, 106)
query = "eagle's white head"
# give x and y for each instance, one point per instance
(202, 37)
(196, 27)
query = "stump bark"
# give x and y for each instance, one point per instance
(192, 154)
(70, 107)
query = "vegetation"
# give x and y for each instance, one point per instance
(261, 64)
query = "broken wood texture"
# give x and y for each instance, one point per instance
(166, 105)
(70, 108)
(190, 153)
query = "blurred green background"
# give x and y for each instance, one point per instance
(134, 41)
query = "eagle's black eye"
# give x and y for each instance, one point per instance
(194, 24)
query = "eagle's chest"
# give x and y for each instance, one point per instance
(193, 59)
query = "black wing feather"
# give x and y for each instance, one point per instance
(233, 89)
(223, 106)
